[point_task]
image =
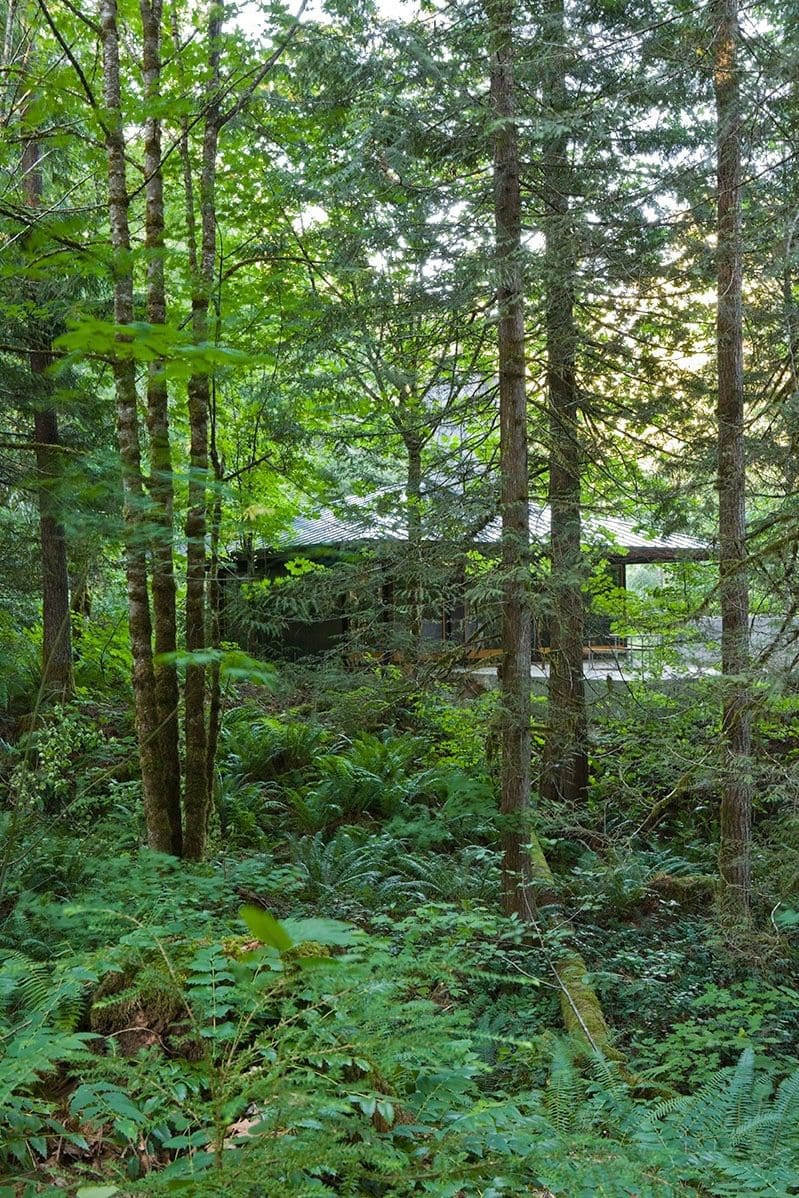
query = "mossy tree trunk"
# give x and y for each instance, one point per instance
(202, 258)
(161, 479)
(412, 441)
(159, 827)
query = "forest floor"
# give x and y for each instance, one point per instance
(334, 1005)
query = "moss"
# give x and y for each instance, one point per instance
(538, 862)
(307, 948)
(237, 947)
(580, 1008)
(142, 996)
(689, 890)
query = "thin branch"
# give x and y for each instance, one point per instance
(73, 60)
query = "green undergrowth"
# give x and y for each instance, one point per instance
(383, 1030)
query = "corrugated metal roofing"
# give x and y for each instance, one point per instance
(597, 529)
(328, 529)
(361, 526)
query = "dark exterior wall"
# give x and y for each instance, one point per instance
(454, 623)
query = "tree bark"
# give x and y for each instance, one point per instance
(527, 884)
(159, 828)
(161, 480)
(196, 794)
(736, 798)
(214, 615)
(413, 507)
(564, 774)
(57, 681)
(57, 678)
(516, 615)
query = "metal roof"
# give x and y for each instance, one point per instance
(361, 526)
(329, 529)
(598, 529)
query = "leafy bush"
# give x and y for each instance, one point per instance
(306, 1065)
(650, 744)
(459, 809)
(459, 730)
(103, 660)
(367, 699)
(721, 1022)
(369, 777)
(51, 759)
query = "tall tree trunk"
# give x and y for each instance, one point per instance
(527, 882)
(413, 503)
(736, 798)
(56, 625)
(196, 795)
(516, 615)
(161, 483)
(214, 611)
(159, 828)
(565, 760)
(215, 638)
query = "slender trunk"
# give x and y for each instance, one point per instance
(516, 618)
(159, 829)
(413, 486)
(196, 796)
(56, 626)
(215, 615)
(161, 484)
(736, 798)
(791, 311)
(565, 761)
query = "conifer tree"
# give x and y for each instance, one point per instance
(565, 761)
(514, 502)
(736, 798)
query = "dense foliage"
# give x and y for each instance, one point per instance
(383, 1030)
(302, 891)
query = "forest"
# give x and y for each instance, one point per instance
(399, 564)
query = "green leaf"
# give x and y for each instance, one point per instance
(266, 928)
(366, 1102)
(121, 1105)
(237, 666)
(97, 1191)
(322, 931)
(386, 1109)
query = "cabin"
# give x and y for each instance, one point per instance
(368, 589)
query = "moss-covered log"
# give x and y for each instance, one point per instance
(580, 1008)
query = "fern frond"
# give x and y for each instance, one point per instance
(564, 1088)
(786, 1110)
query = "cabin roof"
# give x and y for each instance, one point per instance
(361, 527)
